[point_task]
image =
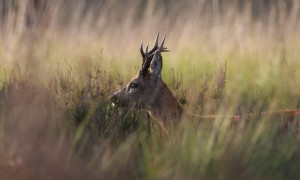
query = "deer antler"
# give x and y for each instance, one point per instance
(146, 63)
(147, 57)
(152, 50)
(155, 45)
(142, 51)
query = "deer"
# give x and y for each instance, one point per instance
(148, 91)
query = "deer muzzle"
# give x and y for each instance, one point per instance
(117, 99)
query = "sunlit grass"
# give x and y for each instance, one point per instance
(56, 120)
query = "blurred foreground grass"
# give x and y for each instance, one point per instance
(61, 61)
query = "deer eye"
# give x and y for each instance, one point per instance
(133, 85)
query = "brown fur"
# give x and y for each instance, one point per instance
(152, 95)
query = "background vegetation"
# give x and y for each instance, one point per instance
(60, 61)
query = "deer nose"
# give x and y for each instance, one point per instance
(113, 98)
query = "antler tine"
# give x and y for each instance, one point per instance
(162, 42)
(156, 40)
(155, 45)
(146, 50)
(161, 47)
(142, 51)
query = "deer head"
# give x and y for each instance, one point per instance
(147, 90)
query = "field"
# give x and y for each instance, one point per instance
(61, 60)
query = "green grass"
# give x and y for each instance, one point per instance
(56, 120)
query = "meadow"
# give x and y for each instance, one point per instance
(61, 60)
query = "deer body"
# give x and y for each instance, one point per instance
(165, 107)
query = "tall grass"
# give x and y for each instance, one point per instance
(62, 60)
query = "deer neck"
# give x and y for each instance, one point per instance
(164, 106)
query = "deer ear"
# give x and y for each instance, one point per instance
(156, 64)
